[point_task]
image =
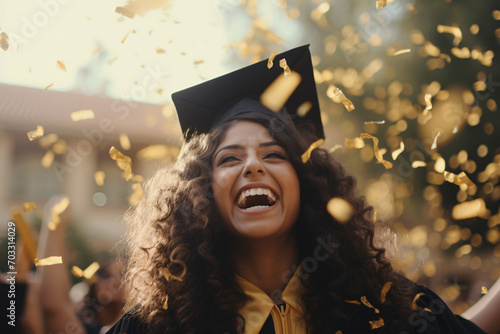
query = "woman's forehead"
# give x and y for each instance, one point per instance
(245, 132)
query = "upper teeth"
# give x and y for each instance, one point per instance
(256, 191)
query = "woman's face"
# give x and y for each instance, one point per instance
(256, 188)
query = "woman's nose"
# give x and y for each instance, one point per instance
(253, 165)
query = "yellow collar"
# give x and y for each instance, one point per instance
(259, 304)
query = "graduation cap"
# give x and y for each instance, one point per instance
(202, 107)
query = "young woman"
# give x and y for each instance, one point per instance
(235, 237)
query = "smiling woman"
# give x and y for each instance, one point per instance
(236, 237)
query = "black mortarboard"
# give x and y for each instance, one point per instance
(204, 106)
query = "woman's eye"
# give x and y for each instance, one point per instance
(226, 158)
(275, 154)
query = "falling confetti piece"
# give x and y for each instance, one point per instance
(365, 302)
(414, 305)
(470, 209)
(123, 11)
(165, 305)
(198, 62)
(455, 31)
(378, 154)
(76, 271)
(353, 302)
(384, 291)
(460, 179)
(336, 95)
(48, 261)
(135, 198)
(270, 60)
(91, 270)
(57, 209)
(123, 161)
(81, 115)
(29, 206)
(46, 88)
(47, 159)
(381, 3)
(125, 37)
(284, 66)
(376, 323)
(400, 52)
(99, 177)
(336, 147)
(304, 108)
(307, 154)
(61, 66)
(25, 232)
(440, 165)
(124, 141)
(340, 209)
(428, 104)
(96, 49)
(398, 151)
(375, 122)
(35, 134)
(484, 290)
(60, 147)
(434, 143)
(279, 91)
(160, 50)
(463, 53)
(4, 41)
(47, 140)
(169, 276)
(357, 142)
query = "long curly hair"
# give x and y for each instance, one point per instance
(176, 227)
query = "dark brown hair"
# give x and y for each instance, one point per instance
(176, 226)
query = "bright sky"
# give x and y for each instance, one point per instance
(70, 30)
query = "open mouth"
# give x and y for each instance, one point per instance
(256, 198)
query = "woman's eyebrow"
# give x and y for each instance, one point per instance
(228, 147)
(271, 143)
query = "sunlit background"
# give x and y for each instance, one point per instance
(423, 78)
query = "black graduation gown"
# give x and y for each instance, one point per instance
(440, 320)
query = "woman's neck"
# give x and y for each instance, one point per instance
(268, 264)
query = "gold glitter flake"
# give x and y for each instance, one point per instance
(398, 151)
(48, 261)
(357, 142)
(169, 276)
(414, 305)
(336, 95)
(81, 115)
(123, 161)
(376, 323)
(25, 233)
(135, 198)
(29, 206)
(125, 12)
(280, 90)
(307, 154)
(378, 154)
(270, 60)
(365, 302)
(484, 290)
(48, 86)
(470, 209)
(400, 52)
(384, 291)
(4, 41)
(35, 134)
(304, 108)
(284, 66)
(99, 177)
(340, 209)
(124, 141)
(455, 31)
(61, 66)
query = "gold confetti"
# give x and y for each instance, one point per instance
(124, 141)
(165, 305)
(336, 95)
(169, 276)
(198, 62)
(381, 3)
(440, 165)
(61, 66)
(35, 134)
(57, 209)
(123, 161)
(463, 53)
(99, 177)
(270, 60)
(455, 31)
(304, 108)
(378, 154)
(307, 154)
(414, 305)
(47, 140)
(284, 66)
(484, 290)
(81, 115)
(125, 37)
(29, 206)
(365, 301)
(76, 271)
(90, 270)
(470, 209)
(60, 147)
(459, 180)
(375, 122)
(46, 88)
(280, 90)
(25, 232)
(357, 142)
(4, 41)
(48, 261)
(398, 151)
(340, 209)
(135, 198)
(96, 49)
(160, 50)
(400, 52)
(47, 159)
(434, 143)
(384, 291)
(125, 12)
(428, 104)
(353, 302)
(376, 323)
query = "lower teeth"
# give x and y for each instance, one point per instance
(257, 207)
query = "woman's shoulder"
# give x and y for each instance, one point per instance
(432, 315)
(129, 323)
